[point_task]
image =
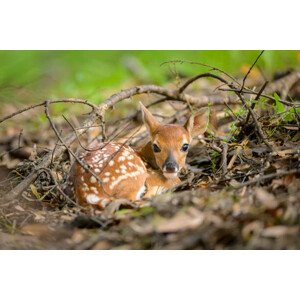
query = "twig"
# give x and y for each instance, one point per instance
(254, 102)
(268, 176)
(215, 147)
(234, 157)
(249, 71)
(77, 136)
(69, 100)
(20, 138)
(102, 126)
(203, 75)
(81, 163)
(201, 64)
(224, 158)
(246, 91)
(257, 125)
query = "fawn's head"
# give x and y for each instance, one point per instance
(170, 142)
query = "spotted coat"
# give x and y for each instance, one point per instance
(121, 174)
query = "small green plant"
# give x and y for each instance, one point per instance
(214, 156)
(286, 115)
(278, 105)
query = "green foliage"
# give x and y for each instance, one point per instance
(290, 115)
(214, 156)
(29, 76)
(287, 116)
(278, 105)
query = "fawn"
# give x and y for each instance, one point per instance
(133, 174)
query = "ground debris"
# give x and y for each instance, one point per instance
(238, 191)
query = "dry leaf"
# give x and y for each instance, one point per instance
(19, 208)
(189, 219)
(266, 199)
(37, 229)
(280, 231)
(252, 228)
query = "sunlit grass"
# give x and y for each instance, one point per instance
(30, 76)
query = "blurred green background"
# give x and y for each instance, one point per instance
(32, 76)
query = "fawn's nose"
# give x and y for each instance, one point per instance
(171, 167)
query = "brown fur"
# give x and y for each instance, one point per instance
(123, 171)
(117, 181)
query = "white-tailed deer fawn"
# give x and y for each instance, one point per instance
(133, 174)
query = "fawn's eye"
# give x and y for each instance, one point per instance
(156, 148)
(185, 147)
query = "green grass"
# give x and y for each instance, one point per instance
(30, 76)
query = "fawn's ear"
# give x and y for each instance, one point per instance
(151, 123)
(189, 125)
(197, 124)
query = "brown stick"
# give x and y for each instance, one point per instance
(224, 158)
(69, 100)
(254, 102)
(250, 69)
(81, 163)
(201, 64)
(268, 176)
(257, 125)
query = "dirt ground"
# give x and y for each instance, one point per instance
(238, 191)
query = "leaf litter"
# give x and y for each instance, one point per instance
(247, 198)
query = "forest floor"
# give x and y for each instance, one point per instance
(240, 190)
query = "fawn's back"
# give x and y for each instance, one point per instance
(121, 171)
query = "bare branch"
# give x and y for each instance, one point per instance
(249, 71)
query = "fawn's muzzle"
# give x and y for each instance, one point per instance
(170, 167)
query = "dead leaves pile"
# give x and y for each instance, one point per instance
(242, 202)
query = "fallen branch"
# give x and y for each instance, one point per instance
(96, 113)
(268, 176)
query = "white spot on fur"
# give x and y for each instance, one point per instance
(92, 199)
(111, 163)
(93, 189)
(141, 192)
(123, 177)
(121, 158)
(97, 170)
(107, 174)
(106, 179)
(126, 153)
(93, 179)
